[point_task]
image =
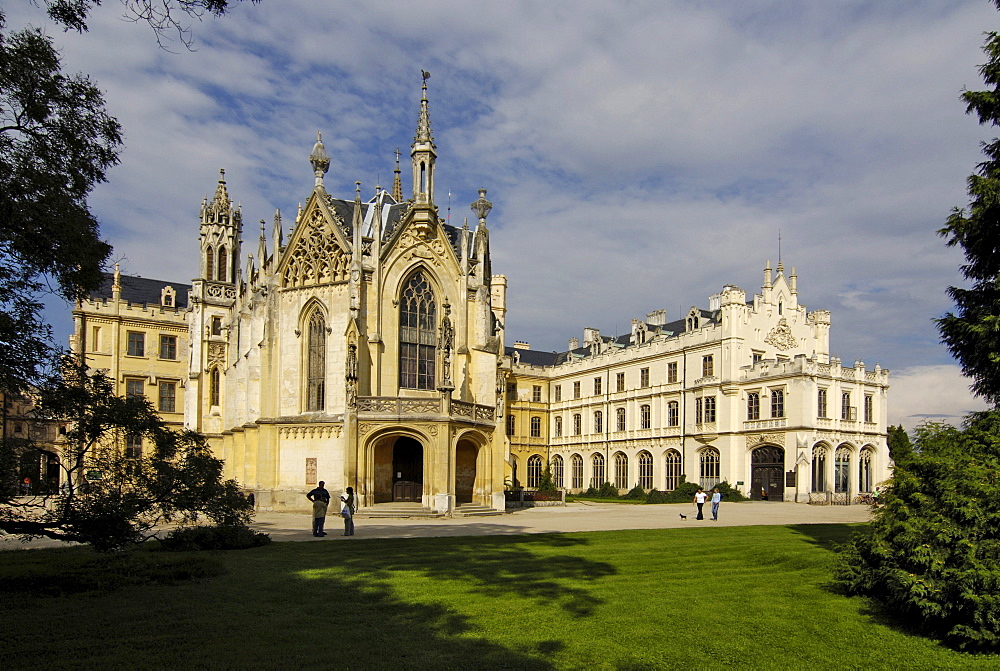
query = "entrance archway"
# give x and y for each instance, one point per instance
(407, 469)
(767, 473)
(466, 454)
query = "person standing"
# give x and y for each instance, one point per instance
(350, 502)
(716, 500)
(699, 499)
(320, 498)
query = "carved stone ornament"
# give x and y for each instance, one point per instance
(316, 258)
(216, 353)
(365, 427)
(759, 438)
(781, 336)
(419, 247)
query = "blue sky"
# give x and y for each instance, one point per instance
(639, 155)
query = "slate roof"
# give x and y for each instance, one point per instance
(141, 290)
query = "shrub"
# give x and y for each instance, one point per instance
(218, 537)
(591, 493)
(729, 493)
(636, 492)
(656, 496)
(607, 491)
(932, 552)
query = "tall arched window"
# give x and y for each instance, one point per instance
(213, 387)
(598, 421)
(673, 414)
(577, 424)
(558, 427)
(222, 276)
(209, 263)
(709, 458)
(534, 470)
(841, 469)
(597, 477)
(576, 464)
(819, 469)
(865, 470)
(621, 470)
(417, 333)
(557, 471)
(645, 418)
(620, 419)
(316, 365)
(672, 464)
(645, 470)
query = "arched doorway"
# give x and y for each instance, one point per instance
(407, 469)
(767, 473)
(41, 470)
(466, 454)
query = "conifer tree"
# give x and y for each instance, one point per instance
(972, 333)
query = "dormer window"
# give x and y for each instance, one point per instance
(168, 297)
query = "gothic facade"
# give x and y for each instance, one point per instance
(363, 351)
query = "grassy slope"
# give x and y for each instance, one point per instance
(746, 597)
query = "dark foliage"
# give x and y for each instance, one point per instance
(217, 537)
(932, 554)
(899, 443)
(971, 333)
(635, 493)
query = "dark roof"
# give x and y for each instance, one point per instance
(141, 290)
(534, 357)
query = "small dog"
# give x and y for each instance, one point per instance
(683, 517)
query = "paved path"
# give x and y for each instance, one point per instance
(572, 517)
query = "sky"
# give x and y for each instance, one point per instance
(639, 155)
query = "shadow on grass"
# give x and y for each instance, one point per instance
(826, 536)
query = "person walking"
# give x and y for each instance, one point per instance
(699, 499)
(350, 502)
(716, 500)
(320, 498)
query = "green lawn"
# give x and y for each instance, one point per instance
(740, 597)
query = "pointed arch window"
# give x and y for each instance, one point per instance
(672, 464)
(223, 260)
(210, 263)
(316, 365)
(597, 470)
(213, 387)
(417, 333)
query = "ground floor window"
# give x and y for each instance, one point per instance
(709, 462)
(576, 464)
(841, 470)
(534, 470)
(865, 471)
(621, 470)
(557, 471)
(672, 469)
(597, 476)
(645, 470)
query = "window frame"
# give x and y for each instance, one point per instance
(135, 344)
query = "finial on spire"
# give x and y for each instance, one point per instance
(319, 159)
(357, 190)
(482, 206)
(424, 122)
(397, 184)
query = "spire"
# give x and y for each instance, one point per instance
(424, 121)
(423, 153)
(397, 184)
(221, 198)
(262, 246)
(277, 237)
(319, 159)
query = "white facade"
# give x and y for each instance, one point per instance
(733, 393)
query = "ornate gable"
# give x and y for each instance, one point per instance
(317, 253)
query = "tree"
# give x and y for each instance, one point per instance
(899, 443)
(932, 553)
(112, 499)
(973, 333)
(56, 143)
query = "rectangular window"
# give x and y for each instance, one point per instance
(216, 326)
(598, 422)
(597, 386)
(756, 358)
(709, 409)
(620, 381)
(512, 391)
(753, 406)
(777, 403)
(536, 394)
(821, 403)
(168, 396)
(620, 413)
(645, 417)
(845, 406)
(168, 347)
(869, 405)
(133, 447)
(134, 388)
(558, 393)
(672, 372)
(577, 425)
(576, 390)
(536, 427)
(511, 422)
(673, 414)
(95, 340)
(707, 366)
(136, 344)
(558, 427)
(643, 377)
(698, 410)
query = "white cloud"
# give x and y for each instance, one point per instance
(934, 393)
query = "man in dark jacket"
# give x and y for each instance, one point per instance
(321, 500)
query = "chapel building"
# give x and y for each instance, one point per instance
(365, 350)
(745, 391)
